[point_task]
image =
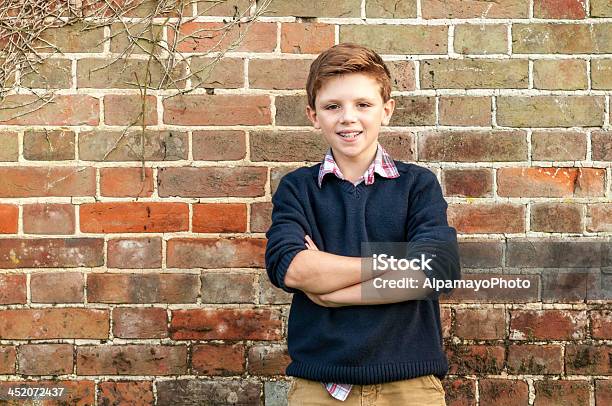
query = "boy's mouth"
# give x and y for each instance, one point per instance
(350, 135)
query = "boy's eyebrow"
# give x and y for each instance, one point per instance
(336, 100)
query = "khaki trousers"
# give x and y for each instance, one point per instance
(425, 390)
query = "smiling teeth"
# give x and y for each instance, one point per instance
(350, 135)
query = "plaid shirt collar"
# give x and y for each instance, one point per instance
(382, 164)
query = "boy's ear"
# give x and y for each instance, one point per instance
(388, 111)
(312, 116)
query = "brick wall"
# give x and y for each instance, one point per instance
(147, 285)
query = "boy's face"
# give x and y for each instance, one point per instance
(351, 102)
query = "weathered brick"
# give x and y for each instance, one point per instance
(261, 216)
(535, 359)
(587, 359)
(131, 217)
(225, 109)
(276, 174)
(69, 322)
(287, 146)
(140, 322)
(481, 39)
(564, 9)
(72, 38)
(550, 182)
(225, 73)
(460, 391)
(219, 217)
(465, 110)
(230, 8)
(61, 287)
(142, 288)
(556, 217)
(184, 391)
(400, 145)
(104, 145)
(218, 145)
(528, 293)
(391, 9)
(48, 218)
(474, 73)
(77, 392)
(143, 8)
(564, 74)
(544, 38)
(446, 319)
(226, 324)
(51, 252)
(270, 294)
(131, 359)
(475, 359)
(480, 324)
(306, 38)
(54, 145)
(534, 253)
(599, 217)
(472, 146)
(9, 146)
(218, 359)
(224, 287)
(601, 73)
(212, 181)
(561, 393)
(550, 111)
(562, 286)
(216, 253)
(547, 324)
(278, 73)
(31, 110)
(126, 182)
(480, 253)
(135, 253)
(475, 9)
(603, 387)
(9, 217)
(125, 393)
(47, 181)
(291, 110)
(601, 144)
(416, 39)
(503, 392)
(467, 182)
(316, 8)
(200, 37)
(130, 110)
(8, 359)
(148, 39)
(601, 8)
(487, 217)
(45, 359)
(402, 75)
(126, 73)
(268, 360)
(558, 146)
(601, 324)
(52, 74)
(414, 110)
(12, 288)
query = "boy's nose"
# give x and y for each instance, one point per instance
(348, 115)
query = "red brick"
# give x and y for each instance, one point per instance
(142, 288)
(218, 145)
(9, 146)
(48, 145)
(8, 358)
(472, 146)
(556, 217)
(12, 288)
(399, 144)
(460, 391)
(224, 287)
(128, 393)
(226, 324)
(45, 359)
(284, 74)
(487, 218)
(559, 9)
(70, 322)
(550, 182)
(219, 218)
(475, 9)
(535, 359)
(503, 392)
(558, 146)
(63, 110)
(9, 216)
(599, 217)
(601, 143)
(73, 38)
(588, 359)
(135, 253)
(203, 37)
(601, 324)
(140, 322)
(48, 218)
(268, 360)
(480, 324)
(475, 359)
(561, 393)
(208, 73)
(225, 109)
(468, 182)
(287, 146)
(306, 38)
(547, 325)
(134, 359)
(47, 181)
(126, 182)
(603, 392)
(60, 287)
(216, 253)
(77, 393)
(134, 217)
(128, 110)
(51, 252)
(218, 359)
(212, 182)
(261, 217)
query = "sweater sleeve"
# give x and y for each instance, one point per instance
(286, 234)
(428, 231)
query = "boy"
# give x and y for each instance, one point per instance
(344, 344)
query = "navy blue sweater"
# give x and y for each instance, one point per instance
(368, 344)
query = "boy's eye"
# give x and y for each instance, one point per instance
(334, 105)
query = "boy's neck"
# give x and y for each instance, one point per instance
(354, 169)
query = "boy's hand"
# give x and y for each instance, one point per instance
(310, 244)
(317, 298)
